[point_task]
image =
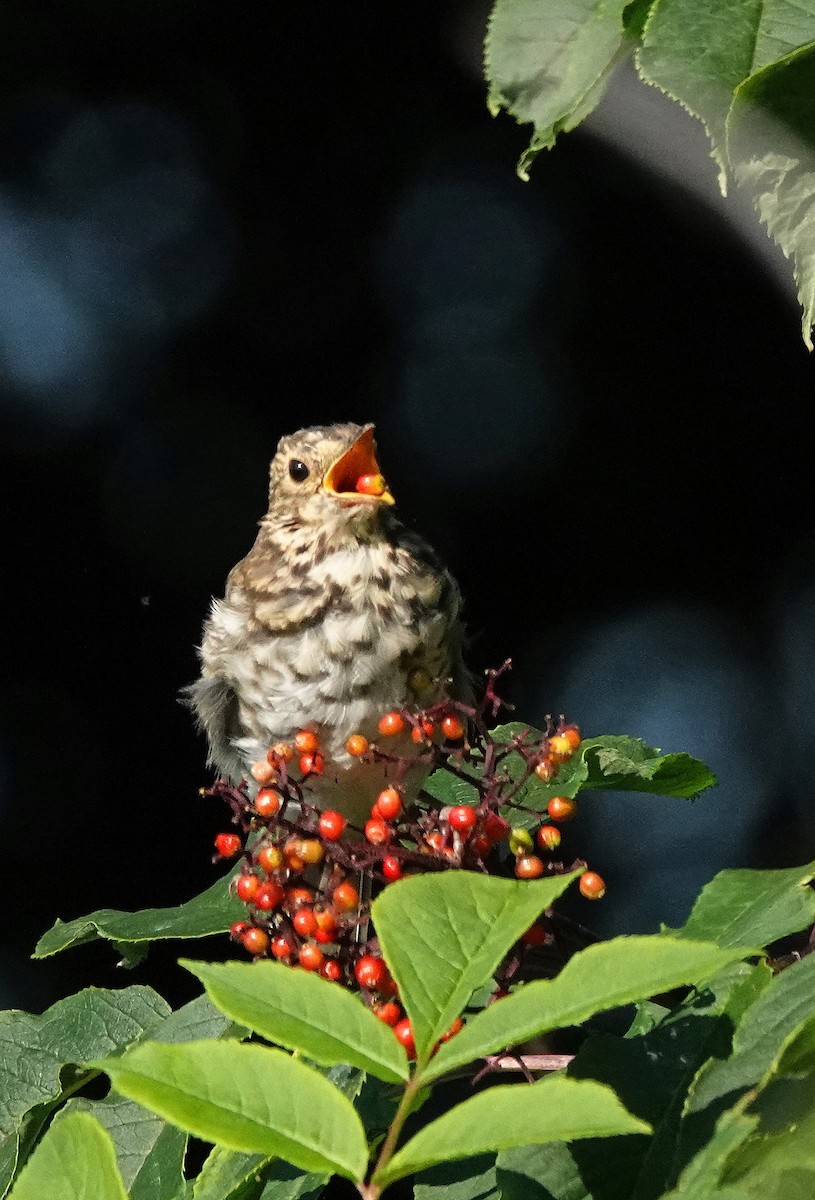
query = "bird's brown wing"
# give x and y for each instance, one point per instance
(215, 705)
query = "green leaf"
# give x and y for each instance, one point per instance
(783, 1007)
(74, 1161)
(34, 1050)
(196, 1021)
(9, 1148)
(298, 1010)
(772, 152)
(701, 1178)
(246, 1097)
(752, 908)
(444, 935)
(547, 64)
(149, 1152)
(554, 1109)
(602, 976)
(211, 912)
(230, 1175)
(470, 1179)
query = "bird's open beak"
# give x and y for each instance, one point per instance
(355, 476)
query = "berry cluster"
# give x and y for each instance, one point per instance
(303, 867)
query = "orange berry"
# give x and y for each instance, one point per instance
(572, 735)
(391, 723)
(592, 885)
(435, 840)
(255, 941)
(331, 970)
(297, 896)
(282, 947)
(388, 804)
(305, 741)
(304, 921)
(263, 771)
(453, 1030)
(270, 858)
(548, 837)
(227, 844)
(331, 825)
(247, 887)
(377, 831)
(452, 727)
(346, 897)
(389, 1012)
(529, 866)
(546, 770)
(309, 850)
(326, 920)
(560, 748)
(356, 745)
(281, 752)
(311, 958)
(561, 808)
(371, 485)
(269, 895)
(267, 803)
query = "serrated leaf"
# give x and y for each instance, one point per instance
(547, 64)
(9, 1147)
(752, 908)
(758, 1039)
(443, 936)
(230, 1175)
(196, 1021)
(74, 1161)
(33, 1050)
(211, 912)
(149, 1152)
(303, 1012)
(771, 140)
(602, 976)
(554, 1109)
(246, 1097)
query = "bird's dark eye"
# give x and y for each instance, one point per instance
(298, 470)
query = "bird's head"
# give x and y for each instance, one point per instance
(328, 476)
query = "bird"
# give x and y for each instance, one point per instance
(338, 614)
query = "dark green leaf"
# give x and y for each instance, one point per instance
(752, 908)
(246, 1097)
(554, 1109)
(149, 1152)
(444, 935)
(231, 1175)
(469, 1179)
(602, 976)
(211, 912)
(303, 1012)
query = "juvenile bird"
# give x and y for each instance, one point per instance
(337, 615)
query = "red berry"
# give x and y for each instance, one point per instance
(377, 832)
(331, 825)
(306, 742)
(304, 922)
(389, 1012)
(239, 928)
(404, 1033)
(324, 937)
(548, 837)
(480, 844)
(453, 1030)
(331, 970)
(267, 803)
(388, 804)
(370, 972)
(326, 920)
(227, 844)
(537, 935)
(452, 727)
(312, 764)
(529, 866)
(561, 808)
(247, 887)
(296, 897)
(423, 731)
(391, 868)
(270, 858)
(495, 827)
(269, 896)
(263, 771)
(281, 752)
(462, 817)
(311, 958)
(356, 745)
(435, 840)
(346, 897)
(391, 723)
(371, 485)
(546, 770)
(592, 885)
(282, 947)
(255, 941)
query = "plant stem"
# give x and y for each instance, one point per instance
(372, 1191)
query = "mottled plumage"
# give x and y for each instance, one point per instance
(327, 622)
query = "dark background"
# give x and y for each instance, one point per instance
(219, 224)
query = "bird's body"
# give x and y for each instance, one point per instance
(337, 615)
